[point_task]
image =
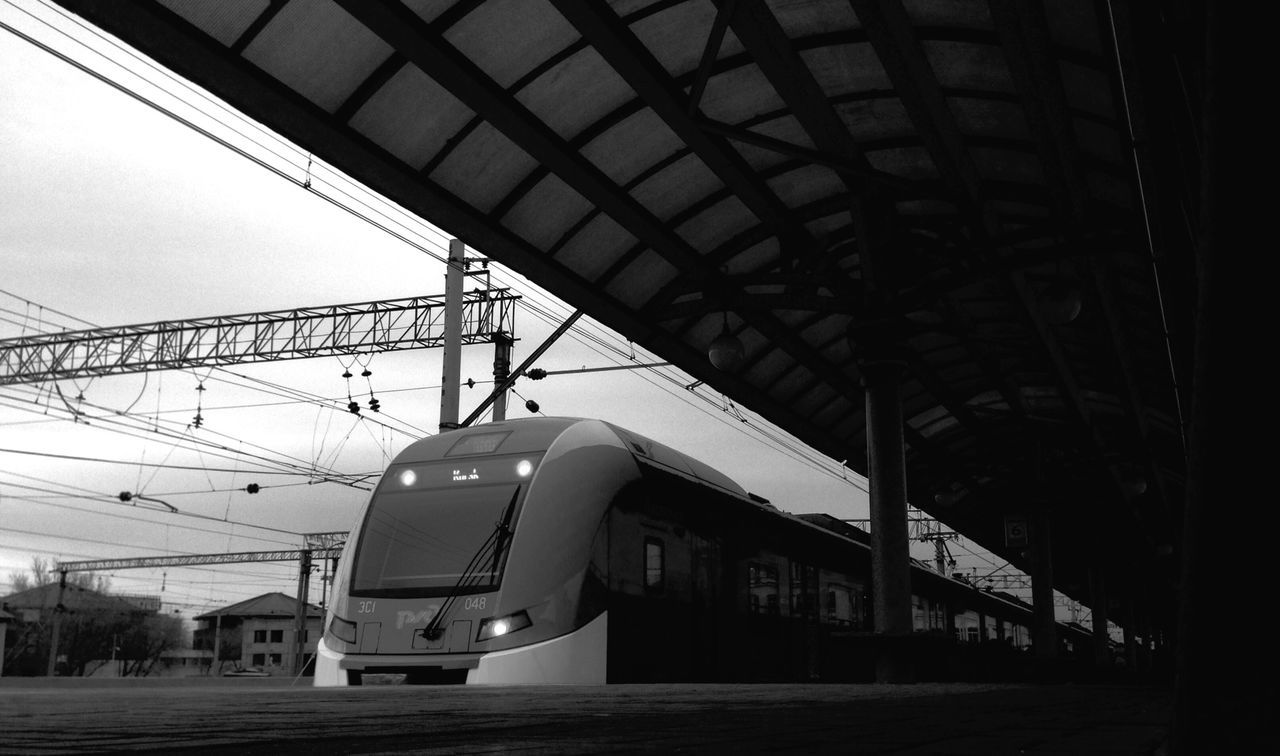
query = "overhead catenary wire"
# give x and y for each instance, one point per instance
(751, 428)
(115, 424)
(805, 457)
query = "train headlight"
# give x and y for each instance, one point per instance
(524, 468)
(343, 630)
(496, 627)
(408, 478)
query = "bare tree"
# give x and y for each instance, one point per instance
(147, 642)
(42, 573)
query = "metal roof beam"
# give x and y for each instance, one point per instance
(616, 43)
(1025, 36)
(759, 31)
(891, 34)
(405, 31)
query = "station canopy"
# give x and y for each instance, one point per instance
(994, 194)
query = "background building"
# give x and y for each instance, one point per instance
(258, 632)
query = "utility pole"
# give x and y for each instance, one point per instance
(216, 667)
(300, 613)
(58, 610)
(451, 381)
(501, 370)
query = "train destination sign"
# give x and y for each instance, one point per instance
(477, 443)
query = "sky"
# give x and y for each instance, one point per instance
(113, 213)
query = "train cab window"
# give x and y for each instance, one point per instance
(655, 565)
(441, 528)
(762, 588)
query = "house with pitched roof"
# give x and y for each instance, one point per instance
(259, 632)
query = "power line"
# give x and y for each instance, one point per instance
(108, 499)
(771, 438)
(52, 455)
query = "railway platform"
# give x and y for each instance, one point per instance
(277, 715)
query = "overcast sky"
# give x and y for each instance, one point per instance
(116, 214)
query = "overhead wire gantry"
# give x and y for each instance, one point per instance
(487, 316)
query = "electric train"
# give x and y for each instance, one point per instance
(560, 550)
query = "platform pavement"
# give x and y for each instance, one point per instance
(250, 716)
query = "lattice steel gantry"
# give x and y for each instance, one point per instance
(383, 326)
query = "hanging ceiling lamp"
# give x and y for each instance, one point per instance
(725, 352)
(1060, 301)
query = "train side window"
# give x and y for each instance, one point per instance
(839, 606)
(762, 588)
(655, 565)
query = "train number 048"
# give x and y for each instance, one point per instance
(475, 603)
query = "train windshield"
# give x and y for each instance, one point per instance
(441, 527)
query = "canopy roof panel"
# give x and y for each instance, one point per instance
(937, 182)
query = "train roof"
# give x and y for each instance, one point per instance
(533, 434)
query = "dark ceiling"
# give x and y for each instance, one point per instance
(940, 181)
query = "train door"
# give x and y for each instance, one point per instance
(704, 601)
(806, 630)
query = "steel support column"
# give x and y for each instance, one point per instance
(1131, 636)
(890, 543)
(1044, 630)
(1101, 638)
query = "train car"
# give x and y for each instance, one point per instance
(561, 550)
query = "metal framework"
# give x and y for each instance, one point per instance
(187, 560)
(384, 326)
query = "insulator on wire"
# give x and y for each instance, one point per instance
(536, 374)
(374, 404)
(252, 488)
(354, 407)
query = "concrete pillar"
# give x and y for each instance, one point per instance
(890, 555)
(1044, 629)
